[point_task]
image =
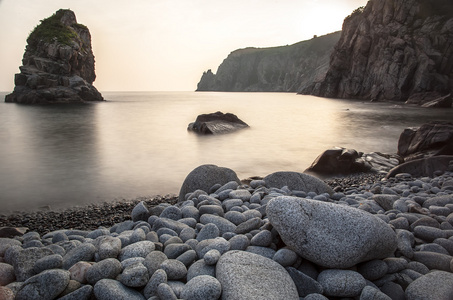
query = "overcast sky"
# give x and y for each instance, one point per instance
(165, 45)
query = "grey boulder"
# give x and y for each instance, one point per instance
(204, 177)
(245, 275)
(435, 285)
(107, 289)
(297, 181)
(328, 234)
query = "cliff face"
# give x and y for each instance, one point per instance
(58, 63)
(278, 69)
(392, 50)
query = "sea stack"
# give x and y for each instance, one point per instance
(58, 64)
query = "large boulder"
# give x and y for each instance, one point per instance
(297, 181)
(434, 285)
(430, 139)
(328, 234)
(424, 166)
(342, 161)
(58, 63)
(217, 123)
(245, 275)
(204, 177)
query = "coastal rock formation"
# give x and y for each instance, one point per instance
(392, 50)
(58, 63)
(216, 123)
(342, 161)
(430, 139)
(277, 69)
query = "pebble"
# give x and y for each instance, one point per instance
(202, 287)
(107, 289)
(333, 283)
(46, 285)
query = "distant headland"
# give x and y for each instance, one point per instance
(390, 50)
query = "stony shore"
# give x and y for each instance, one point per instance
(388, 239)
(107, 214)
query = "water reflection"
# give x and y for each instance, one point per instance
(58, 157)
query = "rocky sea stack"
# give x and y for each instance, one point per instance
(58, 64)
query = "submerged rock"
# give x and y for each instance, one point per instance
(58, 64)
(217, 123)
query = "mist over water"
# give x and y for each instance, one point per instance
(137, 143)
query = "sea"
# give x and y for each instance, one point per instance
(136, 144)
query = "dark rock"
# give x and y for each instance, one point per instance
(430, 139)
(9, 232)
(338, 161)
(445, 101)
(276, 69)
(422, 167)
(377, 59)
(217, 123)
(204, 177)
(58, 63)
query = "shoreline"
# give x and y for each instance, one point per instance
(106, 214)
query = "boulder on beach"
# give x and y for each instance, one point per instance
(342, 161)
(245, 275)
(297, 181)
(58, 64)
(216, 123)
(430, 139)
(328, 234)
(204, 177)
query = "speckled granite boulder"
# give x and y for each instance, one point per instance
(328, 234)
(245, 275)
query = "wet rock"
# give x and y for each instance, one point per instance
(217, 123)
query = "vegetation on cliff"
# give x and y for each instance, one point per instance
(52, 29)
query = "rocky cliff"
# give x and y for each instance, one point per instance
(58, 63)
(400, 50)
(277, 69)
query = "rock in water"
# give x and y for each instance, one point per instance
(58, 63)
(245, 275)
(217, 123)
(204, 177)
(329, 234)
(430, 139)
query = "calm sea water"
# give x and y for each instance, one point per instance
(137, 144)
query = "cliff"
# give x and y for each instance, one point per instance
(58, 63)
(399, 50)
(277, 69)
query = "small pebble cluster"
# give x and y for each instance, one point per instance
(252, 242)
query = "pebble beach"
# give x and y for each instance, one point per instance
(387, 238)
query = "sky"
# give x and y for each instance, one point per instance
(166, 45)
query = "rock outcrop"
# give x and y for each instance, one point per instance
(430, 139)
(58, 63)
(217, 123)
(342, 161)
(392, 50)
(277, 69)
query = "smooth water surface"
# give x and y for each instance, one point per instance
(137, 143)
